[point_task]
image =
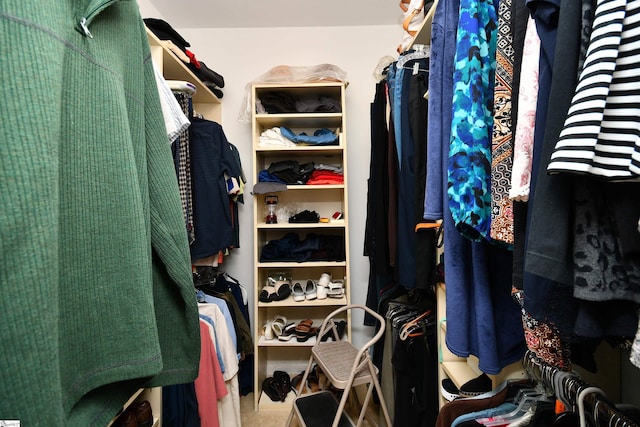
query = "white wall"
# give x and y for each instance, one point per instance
(241, 55)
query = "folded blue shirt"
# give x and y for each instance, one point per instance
(322, 136)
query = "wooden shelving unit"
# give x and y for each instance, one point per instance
(292, 356)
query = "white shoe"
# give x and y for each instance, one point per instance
(322, 292)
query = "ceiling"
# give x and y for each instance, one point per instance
(278, 13)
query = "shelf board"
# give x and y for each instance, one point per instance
(175, 69)
(300, 120)
(278, 264)
(263, 342)
(266, 404)
(303, 149)
(289, 302)
(301, 225)
(315, 187)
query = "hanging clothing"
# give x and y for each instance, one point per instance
(601, 128)
(502, 132)
(469, 165)
(211, 158)
(480, 311)
(91, 218)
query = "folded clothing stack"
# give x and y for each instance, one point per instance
(166, 32)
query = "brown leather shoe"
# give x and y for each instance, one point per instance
(143, 413)
(127, 419)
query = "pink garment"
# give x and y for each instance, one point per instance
(210, 386)
(525, 126)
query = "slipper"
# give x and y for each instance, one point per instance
(298, 292)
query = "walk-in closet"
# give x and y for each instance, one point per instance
(282, 214)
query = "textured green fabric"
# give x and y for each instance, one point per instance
(96, 291)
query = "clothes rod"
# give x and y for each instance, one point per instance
(567, 387)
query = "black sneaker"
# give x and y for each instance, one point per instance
(476, 386)
(449, 390)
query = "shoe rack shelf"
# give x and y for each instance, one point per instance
(291, 356)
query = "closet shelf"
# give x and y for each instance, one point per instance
(306, 149)
(423, 34)
(172, 68)
(301, 264)
(289, 302)
(314, 187)
(263, 342)
(286, 225)
(300, 120)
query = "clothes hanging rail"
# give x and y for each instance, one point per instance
(575, 393)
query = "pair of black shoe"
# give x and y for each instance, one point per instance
(340, 328)
(278, 386)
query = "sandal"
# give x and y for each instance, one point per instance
(304, 331)
(288, 332)
(282, 290)
(267, 294)
(278, 324)
(269, 388)
(283, 381)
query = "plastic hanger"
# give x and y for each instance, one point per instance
(583, 393)
(420, 51)
(525, 399)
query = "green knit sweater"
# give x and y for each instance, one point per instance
(96, 295)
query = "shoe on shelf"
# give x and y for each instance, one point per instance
(304, 331)
(448, 390)
(477, 386)
(310, 291)
(282, 290)
(297, 292)
(283, 383)
(267, 294)
(278, 324)
(270, 388)
(336, 289)
(268, 331)
(143, 412)
(325, 279)
(288, 332)
(126, 419)
(340, 328)
(322, 292)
